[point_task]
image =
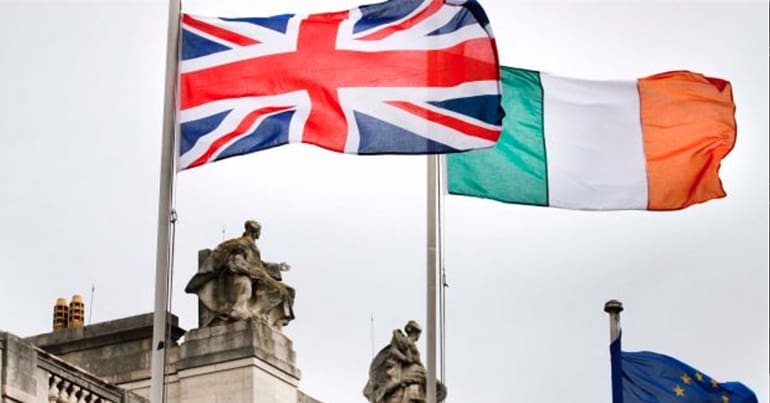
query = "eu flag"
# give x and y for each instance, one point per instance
(646, 377)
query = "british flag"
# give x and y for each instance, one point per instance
(400, 77)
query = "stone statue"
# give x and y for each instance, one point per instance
(396, 374)
(233, 283)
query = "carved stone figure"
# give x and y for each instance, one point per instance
(396, 374)
(233, 283)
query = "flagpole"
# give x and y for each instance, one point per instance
(167, 173)
(433, 254)
(614, 307)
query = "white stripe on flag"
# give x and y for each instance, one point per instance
(594, 144)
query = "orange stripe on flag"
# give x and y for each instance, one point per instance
(688, 124)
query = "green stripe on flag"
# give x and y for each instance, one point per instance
(515, 169)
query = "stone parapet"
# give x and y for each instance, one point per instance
(119, 350)
(245, 361)
(29, 374)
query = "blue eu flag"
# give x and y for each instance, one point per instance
(646, 377)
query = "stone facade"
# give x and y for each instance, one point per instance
(119, 351)
(303, 398)
(29, 374)
(18, 361)
(246, 361)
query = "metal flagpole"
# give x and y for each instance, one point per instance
(614, 308)
(442, 277)
(167, 173)
(433, 253)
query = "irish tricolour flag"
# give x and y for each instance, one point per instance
(651, 144)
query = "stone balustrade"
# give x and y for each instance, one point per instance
(34, 375)
(64, 391)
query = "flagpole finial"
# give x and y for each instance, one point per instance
(613, 306)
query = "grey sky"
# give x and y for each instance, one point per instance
(81, 94)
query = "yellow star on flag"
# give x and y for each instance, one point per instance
(686, 379)
(725, 399)
(679, 391)
(699, 376)
(714, 383)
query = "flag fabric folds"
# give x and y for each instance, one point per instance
(646, 377)
(400, 77)
(651, 144)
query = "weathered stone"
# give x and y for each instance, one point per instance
(119, 351)
(396, 374)
(238, 340)
(246, 361)
(233, 283)
(303, 398)
(18, 364)
(30, 374)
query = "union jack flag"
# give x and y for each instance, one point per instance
(400, 77)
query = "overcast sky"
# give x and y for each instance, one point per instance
(81, 95)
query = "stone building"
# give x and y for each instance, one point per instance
(245, 361)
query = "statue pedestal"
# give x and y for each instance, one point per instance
(245, 361)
